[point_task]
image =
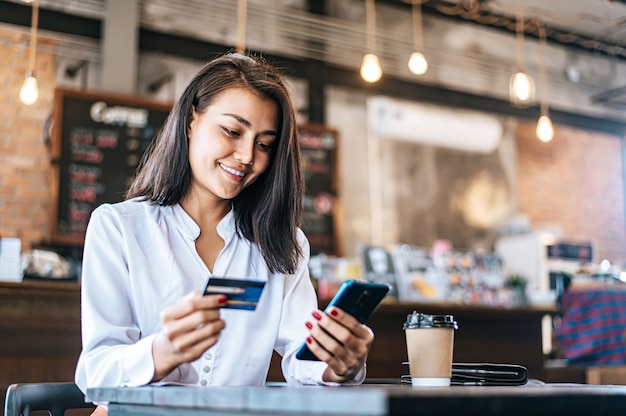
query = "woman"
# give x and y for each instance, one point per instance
(218, 194)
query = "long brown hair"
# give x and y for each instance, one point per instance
(269, 211)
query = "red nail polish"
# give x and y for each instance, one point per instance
(317, 315)
(333, 312)
(309, 340)
(309, 325)
(222, 300)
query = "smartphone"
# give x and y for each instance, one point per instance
(358, 298)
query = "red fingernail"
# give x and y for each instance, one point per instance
(309, 325)
(317, 315)
(309, 340)
(223, 299)
(333, 312)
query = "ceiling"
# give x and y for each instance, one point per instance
(597, 19)
(290, 29)
(597, 25)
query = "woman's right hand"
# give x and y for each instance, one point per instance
(190, 327)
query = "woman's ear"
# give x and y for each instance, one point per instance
(192, 117)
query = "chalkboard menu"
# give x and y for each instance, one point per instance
(319, 154)
(97, 143)
(99, 139)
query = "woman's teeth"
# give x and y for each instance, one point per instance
(232, 171)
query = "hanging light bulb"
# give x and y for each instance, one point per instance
(29, 91)
(418, 64)
(370, 68)
(545, 130)
(521, 87)
(371, 71)
(521, 84)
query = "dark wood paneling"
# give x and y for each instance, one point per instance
(40, 332)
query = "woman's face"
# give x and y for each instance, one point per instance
(230, 143)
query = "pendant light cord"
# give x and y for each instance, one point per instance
(543, 81)
(370, 16)
(417, 26)
(33, 36)
(519, 35)
(242, 18)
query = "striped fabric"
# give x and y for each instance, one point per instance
(593, 326)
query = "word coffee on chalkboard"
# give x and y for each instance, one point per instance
(318, 145)
(98, 142)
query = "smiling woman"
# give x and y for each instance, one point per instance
(220, 194)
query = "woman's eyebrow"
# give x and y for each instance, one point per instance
(248, 124)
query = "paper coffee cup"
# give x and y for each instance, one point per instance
(430, 344)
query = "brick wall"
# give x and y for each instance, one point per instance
(24, 158)
(576, 182)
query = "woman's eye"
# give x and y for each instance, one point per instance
(230, 132)
(264, 147)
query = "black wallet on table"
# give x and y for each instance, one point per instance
(486, 374)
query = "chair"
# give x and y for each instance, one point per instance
(56, 398)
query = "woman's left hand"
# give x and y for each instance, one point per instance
(341, 341)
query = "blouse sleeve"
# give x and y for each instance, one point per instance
(114, 353)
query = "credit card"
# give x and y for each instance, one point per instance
(240, 294)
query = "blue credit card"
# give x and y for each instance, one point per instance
(240, 294)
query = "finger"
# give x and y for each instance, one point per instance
(345, 329)
(191, 312)
(191, 303)
(317, 349)
(354, 326)
(335, 352)
(189, 340)
(340, 341)
(336, 365)
(193, 351)
(198, 319)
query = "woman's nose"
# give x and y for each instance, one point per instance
(245, 151)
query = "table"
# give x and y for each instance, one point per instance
(366, 400)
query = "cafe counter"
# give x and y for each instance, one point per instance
(485, 334)
(40, 332)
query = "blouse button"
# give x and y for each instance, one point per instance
(203, 383)
(206, 369)
(208, 356)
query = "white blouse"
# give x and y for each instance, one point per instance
(140, 257)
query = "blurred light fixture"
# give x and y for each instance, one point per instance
(545, 130)
(242, 17)
(521, 84)
(418, 64)
(156, 85)
(29, 91)
(81, 66)
(572, 73)
(371, 70)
